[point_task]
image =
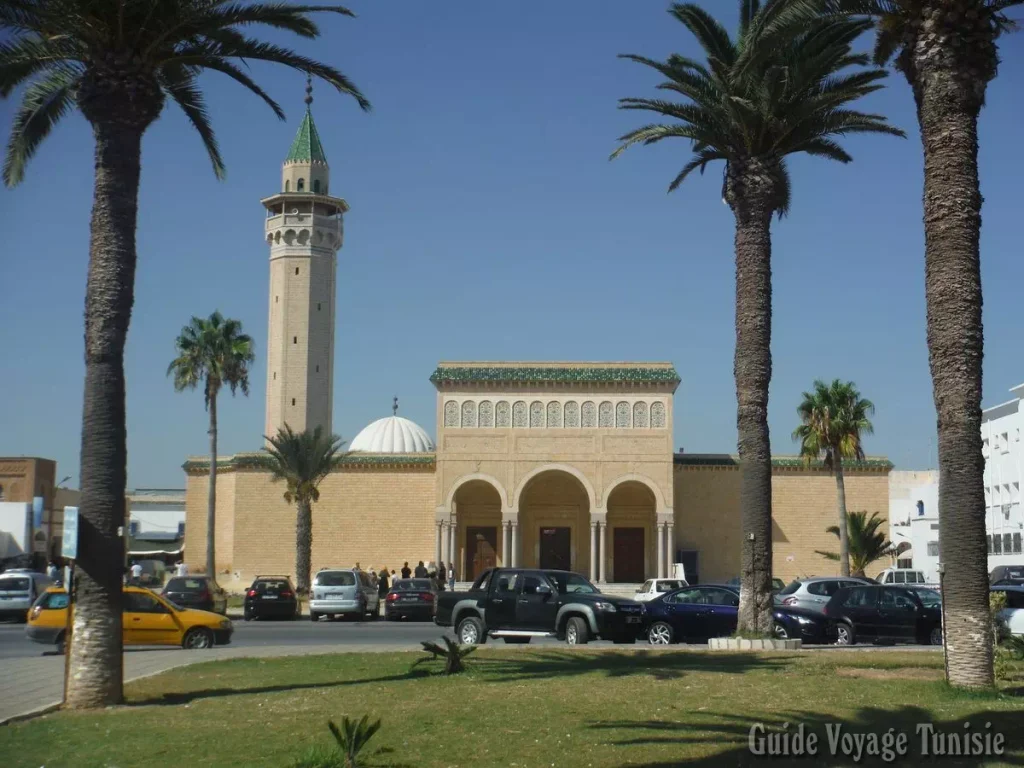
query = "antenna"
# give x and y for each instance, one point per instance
(394, 406)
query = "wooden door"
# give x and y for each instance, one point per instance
(555, 548)
(481, 549)
(628, 555)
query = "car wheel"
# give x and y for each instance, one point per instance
(844, 634)
(60, 645)
(935, 637)
(517, 640)
(576, 632)
(197, 638)
(471, 631)
(780, 631)
(660, 633)
(314, 616)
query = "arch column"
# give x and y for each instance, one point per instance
(666, 541)
(661, 550)
(593, 549)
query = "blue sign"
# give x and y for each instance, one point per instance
(37, 512)
(69, 545)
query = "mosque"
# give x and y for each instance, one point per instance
(536, 464)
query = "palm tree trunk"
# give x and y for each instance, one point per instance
(844, 528)
(95, 652)
(303, 545)
(948, 105)
(752, 369)
(211, 501)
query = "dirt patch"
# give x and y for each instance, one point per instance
(898, 673)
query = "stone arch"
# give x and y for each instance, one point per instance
(489, 479)
(659, 497)
(584, 481)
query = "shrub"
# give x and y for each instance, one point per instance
(452, 653)
(350, 740)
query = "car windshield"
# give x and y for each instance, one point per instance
(14, 584)
(186, 585)
(335, 579)
(418, 585)
(572, 584)
(669, 585)
(790, 588)
(272, 585)
(929, 597)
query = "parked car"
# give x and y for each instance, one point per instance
(343, 592)
(799, 624)
(1012, 616)
(148, 619)
(812, 594)
(271, 597)
(653, 588)
(692, 613)
(19, 590)
(1007, 575)
(199, 592)
(931, 598)
(518, 604)
(882, 613)
(410, 599)
(902, 576)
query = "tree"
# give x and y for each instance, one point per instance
(781, 87)
(214, 353)
(833, 417)
(118, 61)
(947, 52)
(302, 460)
(866, 543)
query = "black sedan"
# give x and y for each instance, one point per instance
(199, 592)
(799, 624)
(271, 597)
(691, 613)
(410, 599)
(882, 614)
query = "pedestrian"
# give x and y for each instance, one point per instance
(52, 571)
(421, 571)
(383, 587)
(451, 576)
(181, 570)
(406, 573)
(394, 577)
(357, 566)
(136, 574)
(373, 577)
(442, 577)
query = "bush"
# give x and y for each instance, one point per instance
(350, 740)
(452, 653)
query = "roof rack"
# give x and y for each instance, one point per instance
(271, 576)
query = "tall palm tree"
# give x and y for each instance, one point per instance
(212, 352)
(833, 417)
(866, 543)
(118, 61)
(783, 86)
(948, 53)
(302, 460)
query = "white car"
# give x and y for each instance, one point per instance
(904, 576)
(1012, 616)
(653, 588)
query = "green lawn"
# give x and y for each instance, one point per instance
(517, 707)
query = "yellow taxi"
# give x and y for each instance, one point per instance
(148, 619)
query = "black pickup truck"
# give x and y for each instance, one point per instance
(517, 604)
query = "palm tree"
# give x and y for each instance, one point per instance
(833, 417)
(214, 353)
(866, 543)
(302, 460)
(948, 53)
(780, 88)
(119, 62)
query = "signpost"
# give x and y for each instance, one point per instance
(69, 545)
(69, 549)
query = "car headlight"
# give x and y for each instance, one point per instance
(225, 624)
(601, 605)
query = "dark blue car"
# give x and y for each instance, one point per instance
(692, 613)
(799, 624)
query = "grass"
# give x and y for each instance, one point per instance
(516, 707)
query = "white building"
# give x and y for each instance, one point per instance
(914, 497)
(156, 521)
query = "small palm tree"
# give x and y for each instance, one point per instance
(215, 353)
(452, 653)
(866, 543)
(302, 460)
(352, 737)
(119, 63)
(948, 53)
(783, 86)
(834, 416)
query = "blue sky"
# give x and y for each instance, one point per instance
(487, 223)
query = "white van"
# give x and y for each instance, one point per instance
(902, 576)
(19, 589)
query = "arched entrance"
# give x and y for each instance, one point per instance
(478, 539)
(554, 522)
(632, 533)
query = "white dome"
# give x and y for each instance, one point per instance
(393, 435)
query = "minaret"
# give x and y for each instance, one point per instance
(304, 231)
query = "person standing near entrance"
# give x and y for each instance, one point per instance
(383, 587)
(451, 576)
(406, 572)
(442, 576)
(421, 571)
(136, 574)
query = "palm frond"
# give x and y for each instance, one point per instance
(44, 103)
(182, 87)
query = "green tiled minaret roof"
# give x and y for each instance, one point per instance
(307, 147)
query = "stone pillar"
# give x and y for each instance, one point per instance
(603, 557)
(670, 544)
(444, 541)
(438, 530)
(593, 551)
(515, 544)
(661, 551)
(453, 543)
(506, 543)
